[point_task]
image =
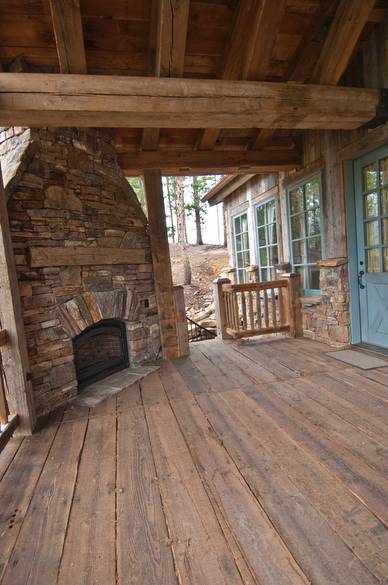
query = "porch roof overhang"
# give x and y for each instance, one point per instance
(233, 100)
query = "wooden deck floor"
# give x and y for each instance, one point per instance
(264, 462)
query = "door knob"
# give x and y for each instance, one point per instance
(360, 275)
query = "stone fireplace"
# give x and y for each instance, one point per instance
(83, 259)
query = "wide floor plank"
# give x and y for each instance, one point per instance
(259, 462)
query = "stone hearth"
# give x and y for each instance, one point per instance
(82, 251)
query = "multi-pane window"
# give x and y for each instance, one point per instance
(267, 238)
(241, 246)
(375, 196)
(305, 230)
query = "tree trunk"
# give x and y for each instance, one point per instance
(181, 216)
(170, 208)
(198, 227)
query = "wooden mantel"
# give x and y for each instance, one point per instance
(138, 102)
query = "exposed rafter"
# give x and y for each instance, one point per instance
(67, 23)
(137, 102)
(238, 56)
(167, 49)
(344, 33)
(217, 162)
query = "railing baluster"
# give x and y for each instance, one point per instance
(265, 307)
(273, 298)
(236, 311)
(244, 310)
(251, 314)
(281, 306)
(258, 309)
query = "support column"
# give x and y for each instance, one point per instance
(161, 264)
(14, 352)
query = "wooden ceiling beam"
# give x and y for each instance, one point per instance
(67, 23)
(349, 20)
(237, 58)
(34, 99)
(217, 162)
(167, 48)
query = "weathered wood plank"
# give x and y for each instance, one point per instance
(14, 353)
(88, 100)
(365, 537)
(67, 23)
(43, 531)
(42, 257)
(319, 551)
(200, 550)
(161, 264)
(90, 531)
(344, 33)
(143, 546)
(17, 487)
(269, 560)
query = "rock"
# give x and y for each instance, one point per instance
(57, 197)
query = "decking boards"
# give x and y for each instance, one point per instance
(254, 463)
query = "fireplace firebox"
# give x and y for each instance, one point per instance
(100, 351)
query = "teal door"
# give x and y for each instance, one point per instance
(371, 206)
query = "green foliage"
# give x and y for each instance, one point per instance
(137, 185)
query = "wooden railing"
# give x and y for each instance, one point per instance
(259, 308)
(8, 422)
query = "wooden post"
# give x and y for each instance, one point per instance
(161, 264)
(294, 304)
(14, 353)
(219, 303)
(180, 310)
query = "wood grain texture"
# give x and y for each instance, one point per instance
(67, 23)
(261, 462)
(41, 257)
(82, 100)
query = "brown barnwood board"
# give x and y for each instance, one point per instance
(355, 473)
(250, 525)
(87, 100)
(14, 353)
(179, 162)
(8, 453)
(200, 550)
(143, 548)
(67, 23)
(17, 487)
(161, 264)
(3, 337)
(168, 34)
(90, 531)
(42, 535)
(329, 496)
(371, 450)
(42, 257)
(345, 30)
(320, 552)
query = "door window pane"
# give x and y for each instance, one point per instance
(384, 171)
(385, 259)
(384, 201)
(305, 224)
(371, 205)
(373, 260)
(372, 233)
(369, 177)
(241, 245)
(266, 238)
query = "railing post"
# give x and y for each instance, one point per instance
(219, 303)
(294, 304)
(181, 321)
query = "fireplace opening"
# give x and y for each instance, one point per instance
(100, 351)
